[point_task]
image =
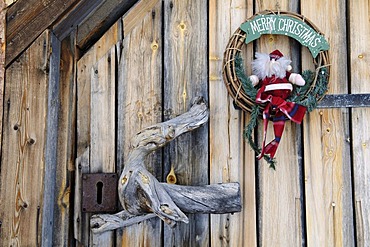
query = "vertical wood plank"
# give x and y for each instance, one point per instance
(51, 147)
(80, 219)
(102, 119)
(280, 196)
(140, 88)
(84, 104)
(136, 15)
(66, 145)
(22, 164)
(84, 66)
(102, 125)
(360, 77)
(230, 159)
(185, 72)
(327, 154)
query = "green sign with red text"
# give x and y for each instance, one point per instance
(285, 25)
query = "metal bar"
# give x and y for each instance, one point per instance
(345, 101)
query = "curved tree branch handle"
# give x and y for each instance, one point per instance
(141, 194)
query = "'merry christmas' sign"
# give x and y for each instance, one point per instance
(285, 25)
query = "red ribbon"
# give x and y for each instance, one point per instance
(282, 111)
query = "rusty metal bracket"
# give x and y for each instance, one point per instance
(345, 101)
(339, 101)
(99, 192)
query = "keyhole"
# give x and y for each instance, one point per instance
(99, 189)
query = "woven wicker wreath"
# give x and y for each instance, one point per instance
(233, 82)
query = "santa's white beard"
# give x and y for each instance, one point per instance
(277, 69)
(263, 67)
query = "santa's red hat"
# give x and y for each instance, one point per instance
(276, 55)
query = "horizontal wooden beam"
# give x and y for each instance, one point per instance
(345, 101)
(70, 21)
(27, 19)
(93, 27)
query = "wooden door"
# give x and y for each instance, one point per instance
(125, 84)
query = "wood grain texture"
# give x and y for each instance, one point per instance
(51, 133)
(140, 96)
(216, 199)
(102, 118)
(230, 159)
(66, 145)
(141, 193)
(81, 223)
(28, 19)
(98, 22)
(185, 76)
(85, 126)
(136, 15)
(74, 17)
(22, 169)
(280, 195)
(360, 76)
(327, 152)
(84, 66)
(102, 125)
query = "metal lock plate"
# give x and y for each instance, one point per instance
(99, 192)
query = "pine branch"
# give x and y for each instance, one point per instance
(248, 135)
(249, 89)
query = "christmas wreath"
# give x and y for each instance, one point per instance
(281, 101)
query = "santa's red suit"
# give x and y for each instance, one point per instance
(273, 93)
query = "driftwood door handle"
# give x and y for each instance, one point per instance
(142, 196)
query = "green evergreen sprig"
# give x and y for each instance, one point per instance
(310, 101)
(256, 111)
(248, 88)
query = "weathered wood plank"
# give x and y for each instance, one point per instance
(66, 146)
(99, 22)
(102, 125)
(22, 169)
(81, 222)
(51, 143)
(27, 19)
(230, 159)
(72, 19)
(185, 76)
(140, 87)
(135, 16)
(84, 66)
(360, 77)
(280, 196)
(327, 153)
(102, 119)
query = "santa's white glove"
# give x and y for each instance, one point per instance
(296, 79)
(254, 79)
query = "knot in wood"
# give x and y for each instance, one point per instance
(170, 132)
(144, 178)
(165, 209)
(124, 180)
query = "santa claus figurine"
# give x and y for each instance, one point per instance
(271, 73)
